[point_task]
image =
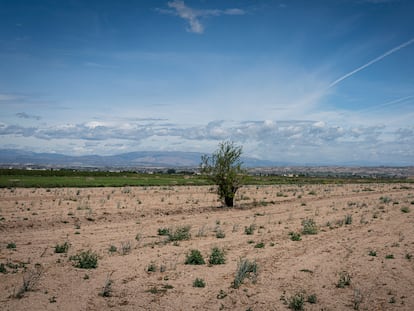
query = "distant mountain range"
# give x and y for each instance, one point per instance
(125, 160)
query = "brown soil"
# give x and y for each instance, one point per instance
(37, 220)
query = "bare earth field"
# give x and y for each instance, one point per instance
(365, 233)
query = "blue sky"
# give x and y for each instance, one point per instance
(309, 82)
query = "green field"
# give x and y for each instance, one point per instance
(70, 178)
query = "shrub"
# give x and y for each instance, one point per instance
(199, 283)
(112, 249)
(348, 219)
(372, 253)
(11, 245)
(217, 256)
(389, 256)
(62, 248)
(194, 258)
(309, 226)
(163, 231)
(180, 234)
(405, 209)
(259, 245)
(107, 288)
(125, 248)
(85, 260)
(245, 268)
(312, 298)
(297, 301)
(220, 234)
(152, 267)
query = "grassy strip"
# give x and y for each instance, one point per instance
(68, 178)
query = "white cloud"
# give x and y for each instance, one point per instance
(193, 16)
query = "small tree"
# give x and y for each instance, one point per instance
(224, 169)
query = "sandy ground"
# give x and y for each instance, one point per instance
(36, 220)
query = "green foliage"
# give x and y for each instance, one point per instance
(309, 226)
(295, 236)
(194, 258)
(3, 268)
(297, 301)
(152, 267)
(348, 219)
(62, 248)
(217, 256)
(112, 249)
(245, 268)
(180, 234)
(405, 209)
(250, 229)
(312, 298)
(163, 231)
(224, 168)
(259, 245)
(389, 256)
(372, 253)
(385, 199)
(199, 283)
(85, 260)
(11, 245)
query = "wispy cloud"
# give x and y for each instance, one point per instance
(193, 16)
(24, 115)
(375, 60)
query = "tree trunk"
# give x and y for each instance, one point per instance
(229, 201)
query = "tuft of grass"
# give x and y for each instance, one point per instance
(199, 283)
(152, 267)
(295, 236)
(312, 299)
(296, 302)
(163, 231)
(309, 226)
(194, 258)
(3, 268)
(112, 249)
(62, 248)
(125, 248)
(250, 229)
(30, 280)
(385, 200)
(348, 219)
(344, 280)
(372, 253)
(217, 256)
(405, 209)
(259, 245)
(245, 269)
(85, 260)
(107, 288)
(389, 256)
(220, 234)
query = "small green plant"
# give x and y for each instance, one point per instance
(389, 256)
(3, 268)
(408, 256)
(259, 245)
(344, 280)
(152, 267)
(125, 248)
(85, 260)
(348, 219)
(62, 248)
(220, 234)
(312, 299)
(250, 229)
(385, 200)
(372, 253)
(199, 283)
(180, 234)
(11, 245)
(194, 258)
(163, 231)
(112, 249)
(405, 209)
(309, 226)
(30, 280)
(296, 302)
(245, 268)
(217, 256)
(295, 236)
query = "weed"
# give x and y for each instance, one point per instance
(3, 268)
(199, 283)
(152, 267)
(107, 288)
(222, 294)
(250, 229)
(11, 245)
(194, 258)
(125, 248)
(163, 231)
(217, 256)
(405, 209)
(112, 249)
(344, 280)
(297, 301)
(312, 298)
(85, 260)
(348, 219)
(294, 236)
(408, 256)
(220, 234)
(245, 268)
(372, 253)
(259, 245)
(30, 280)
(357, 299)
(309, 226)
(180, 234)
(389, 256)
(62, 248)
(385, 199)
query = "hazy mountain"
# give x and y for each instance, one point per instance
(131, 159)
